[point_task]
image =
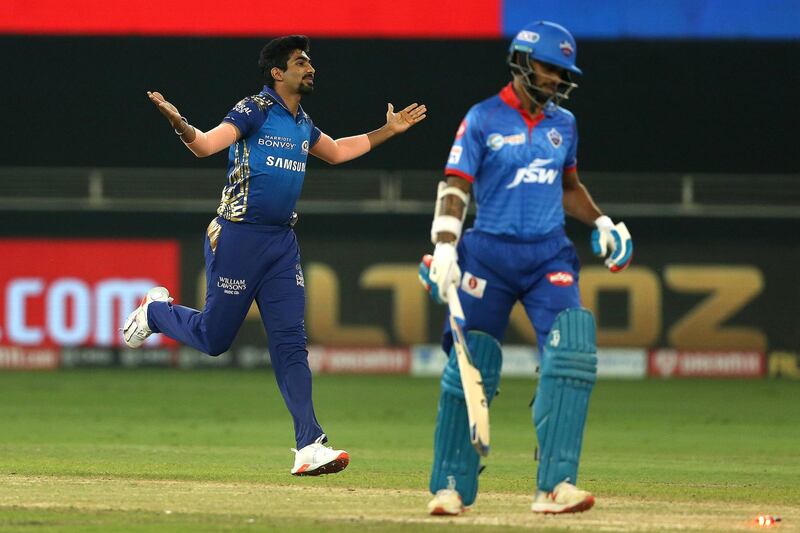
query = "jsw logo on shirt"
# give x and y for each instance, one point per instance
(535, 173)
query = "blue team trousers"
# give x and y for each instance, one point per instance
(247, 262)
(498, 271)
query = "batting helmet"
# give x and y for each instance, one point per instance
(547, 42)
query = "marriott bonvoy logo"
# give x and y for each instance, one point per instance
(232, 286)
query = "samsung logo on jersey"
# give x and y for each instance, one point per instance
(286, 164)
(535, 173)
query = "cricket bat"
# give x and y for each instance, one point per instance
(471, 380)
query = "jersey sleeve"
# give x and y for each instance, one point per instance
(316, 133)
(247, 116)
(571, 161)
(467, 150)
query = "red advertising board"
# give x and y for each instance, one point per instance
(668, 363)
(468, 19)
(58, 293)
(19, 358)
(359, 360)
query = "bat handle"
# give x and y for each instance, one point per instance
(454, 303)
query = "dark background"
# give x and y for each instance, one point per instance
(683, 106)
(642, 106)
(351, 243)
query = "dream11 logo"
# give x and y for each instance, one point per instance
(78, 292)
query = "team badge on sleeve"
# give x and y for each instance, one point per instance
(455, 155)
(554, 137)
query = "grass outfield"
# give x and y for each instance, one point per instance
(168, 450)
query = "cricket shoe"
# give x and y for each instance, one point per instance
(317, 459)
(565, 498)
(446, 502)
(136, 330)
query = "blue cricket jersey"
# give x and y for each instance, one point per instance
(515, 162)
(267, 165)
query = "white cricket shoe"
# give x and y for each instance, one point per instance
(136, 330)
(317, 459)
(565, 498)
(446, 502)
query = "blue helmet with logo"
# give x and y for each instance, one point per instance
(545, 42)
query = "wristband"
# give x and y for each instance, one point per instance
(179, 133)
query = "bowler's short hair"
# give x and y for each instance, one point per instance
(277, 52)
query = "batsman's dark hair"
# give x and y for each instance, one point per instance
(276, 54)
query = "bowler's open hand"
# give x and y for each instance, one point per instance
(165, 108)
(401, 121)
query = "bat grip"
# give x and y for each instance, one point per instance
(454, 303)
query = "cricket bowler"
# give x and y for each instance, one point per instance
(251, 251)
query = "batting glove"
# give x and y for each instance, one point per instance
(613, 242)
(440, 270)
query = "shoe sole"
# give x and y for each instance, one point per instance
(579, 507)
(441, 511)
(337, 465)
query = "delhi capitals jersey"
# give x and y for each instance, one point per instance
(515, 162)
(267, 165)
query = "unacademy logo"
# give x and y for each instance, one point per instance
(535, 173)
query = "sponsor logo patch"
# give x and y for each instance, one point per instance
(455, 155)
(518, 138)
(496, 141)
(535, 173)
(304, 148)
(241, 107)
(283, 143)
(462, 128)
(528, 36)
(566, 48)
(232, 286)
(560, 279)
(301, 281)
(473, 285)
(286, 163)
(554, 137)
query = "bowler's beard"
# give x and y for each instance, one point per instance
(306, 89)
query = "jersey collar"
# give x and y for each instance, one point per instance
(275, 96)
(510, 98)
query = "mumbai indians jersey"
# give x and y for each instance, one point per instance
(266, 166)
(515, 162)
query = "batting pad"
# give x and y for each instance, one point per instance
(569, 370)
(453, 454)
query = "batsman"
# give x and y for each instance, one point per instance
(515, 152)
